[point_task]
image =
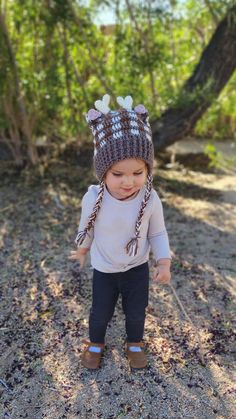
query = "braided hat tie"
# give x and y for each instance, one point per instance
(121, 134)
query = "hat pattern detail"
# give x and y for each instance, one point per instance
(120, 134)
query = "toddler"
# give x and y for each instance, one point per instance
(121, 221)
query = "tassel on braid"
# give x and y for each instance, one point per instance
(132, 246)
(82, 234)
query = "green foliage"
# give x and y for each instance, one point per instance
(219, 122)
(65, 62)
(217, 160)
(214, 155)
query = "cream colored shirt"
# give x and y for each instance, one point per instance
(115, 226)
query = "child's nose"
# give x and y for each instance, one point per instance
(128, 180)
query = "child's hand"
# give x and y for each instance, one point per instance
(161, 272)
(80, 255)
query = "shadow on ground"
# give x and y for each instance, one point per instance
(45, 303)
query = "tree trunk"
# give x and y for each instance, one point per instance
(216, 66)
(25, 123)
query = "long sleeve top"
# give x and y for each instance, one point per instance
(115, 226)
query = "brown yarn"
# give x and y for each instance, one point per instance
(132, 246)
(120, 135)
(82, 234)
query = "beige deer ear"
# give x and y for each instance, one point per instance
(125, 103)
(102, 105)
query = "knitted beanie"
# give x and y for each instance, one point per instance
(121, 134)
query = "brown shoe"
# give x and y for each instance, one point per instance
(136, 359)
(89, 359)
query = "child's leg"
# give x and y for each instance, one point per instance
(105, 295)
(134, 291)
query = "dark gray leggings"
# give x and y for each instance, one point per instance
(133, 286)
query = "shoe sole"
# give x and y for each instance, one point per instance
(93, 368)
(134, 368)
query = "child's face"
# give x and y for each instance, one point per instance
(126, 177)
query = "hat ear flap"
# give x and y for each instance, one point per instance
(92, 115)
(142, 112)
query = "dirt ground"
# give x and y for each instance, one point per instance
(45, 303)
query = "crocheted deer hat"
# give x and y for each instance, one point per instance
(121, 134)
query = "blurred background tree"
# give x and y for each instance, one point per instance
(177, 57)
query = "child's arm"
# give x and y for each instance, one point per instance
(86, 208)
(158, 239)
(80, 255)
(162, 271)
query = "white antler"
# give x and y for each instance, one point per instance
(102, 105)
(126, 102)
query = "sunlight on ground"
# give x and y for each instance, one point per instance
(3, 233)
(46, 300)
(209, 212)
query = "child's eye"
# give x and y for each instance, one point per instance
(120, 174)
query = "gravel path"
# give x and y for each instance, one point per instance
(45, 303)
